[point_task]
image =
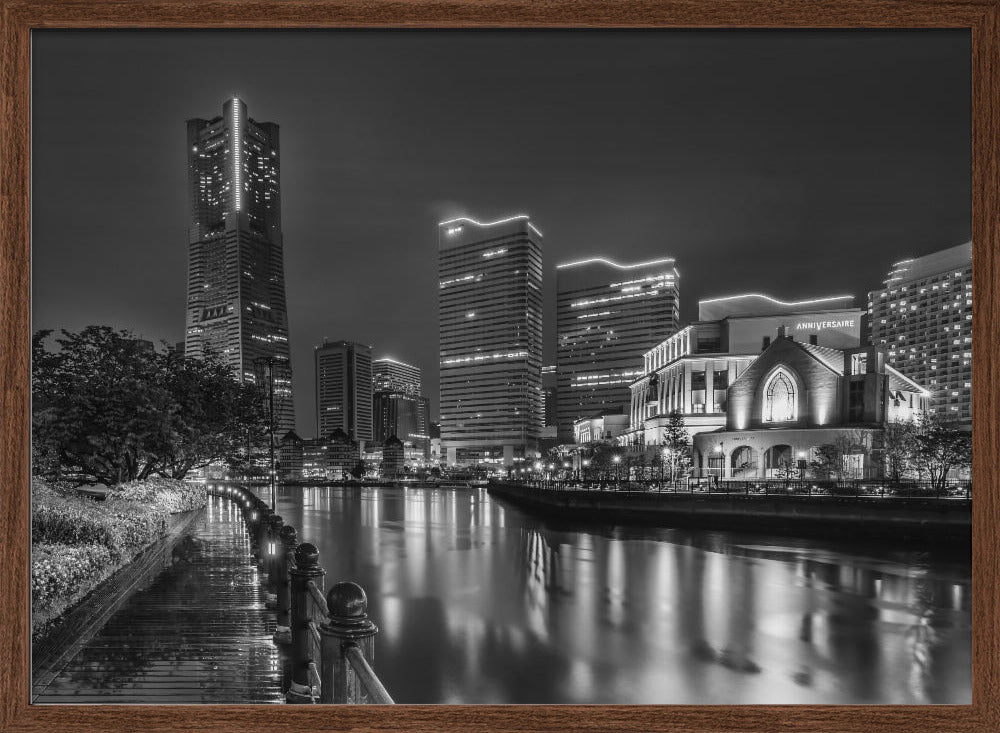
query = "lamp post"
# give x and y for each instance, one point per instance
(618, 462)
(269, 362)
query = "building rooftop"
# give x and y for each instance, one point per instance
(759, 304)
(932, 264)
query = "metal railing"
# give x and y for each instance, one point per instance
(856, 488)
(329, 638)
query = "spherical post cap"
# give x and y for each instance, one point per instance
(306, 555)
(287, 533)
(275, 520)
(347, 600)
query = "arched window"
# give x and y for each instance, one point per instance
(779, 398)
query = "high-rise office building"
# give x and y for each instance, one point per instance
(392, 375)
(236, 283)
(923, 318)
(607, 315)
(398, 406)
(549, 396)
(490, 339)
(344, 389)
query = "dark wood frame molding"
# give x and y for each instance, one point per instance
(19, 17)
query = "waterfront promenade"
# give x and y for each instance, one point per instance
(199, 633)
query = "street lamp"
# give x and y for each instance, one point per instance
(617, 460)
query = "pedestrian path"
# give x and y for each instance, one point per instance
(198, 634)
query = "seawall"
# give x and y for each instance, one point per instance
(905, 520)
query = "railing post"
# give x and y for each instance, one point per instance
(348, 623)
(288, 537)
(306, 568)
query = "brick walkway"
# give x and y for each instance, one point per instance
(198, 634)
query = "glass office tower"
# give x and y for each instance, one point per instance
(490, 339)
(236, 281)
(608, 314)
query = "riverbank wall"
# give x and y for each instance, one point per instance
(898, 520)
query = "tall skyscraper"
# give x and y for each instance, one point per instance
(607, 315)
(399, 407)
(344, 389)
(392, 375)
(490, 339)
(236, 281)
(923, 318)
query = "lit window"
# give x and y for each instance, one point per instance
(780, 398)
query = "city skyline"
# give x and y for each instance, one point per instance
(785, 177)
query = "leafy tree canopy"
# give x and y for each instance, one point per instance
(108, 407)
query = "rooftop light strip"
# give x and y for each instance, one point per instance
(776, 301)
(467, 220)
(617, 265)
(394, 361)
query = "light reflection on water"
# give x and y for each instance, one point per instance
(478, 602)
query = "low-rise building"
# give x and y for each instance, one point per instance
(690, 371)
(290, 456)
(797, 397)
(602, 425)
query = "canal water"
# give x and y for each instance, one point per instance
(479, 602)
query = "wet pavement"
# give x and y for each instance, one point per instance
(199, 634)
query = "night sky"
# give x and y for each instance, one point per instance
(797, 164)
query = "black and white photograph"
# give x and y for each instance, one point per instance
(617, 367)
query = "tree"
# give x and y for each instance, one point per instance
(939, 448)
(676, 445)
(215, 415)
(98, 406)
(852, 443)
(358, 471)
(108, 407)
(826, 461)
(898, 448)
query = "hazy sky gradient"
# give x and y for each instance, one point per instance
(791, 163)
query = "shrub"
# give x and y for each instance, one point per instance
(165, 496)
(77, 541)
(122, 530)
(56, 568)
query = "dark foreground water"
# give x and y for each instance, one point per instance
(478, 602)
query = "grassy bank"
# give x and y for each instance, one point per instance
(77, 542)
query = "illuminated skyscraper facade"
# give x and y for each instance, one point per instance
(399, 408)
(236, 283)
(490, 339)
(607, 315)
(392, 375)
(923, 319)
(344, 389)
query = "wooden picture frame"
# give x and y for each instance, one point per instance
(20, 17)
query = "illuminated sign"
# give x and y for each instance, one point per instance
(820, 325)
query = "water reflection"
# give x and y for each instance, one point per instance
(480, 603)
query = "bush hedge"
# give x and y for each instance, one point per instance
(77, 541)
(59, 572)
